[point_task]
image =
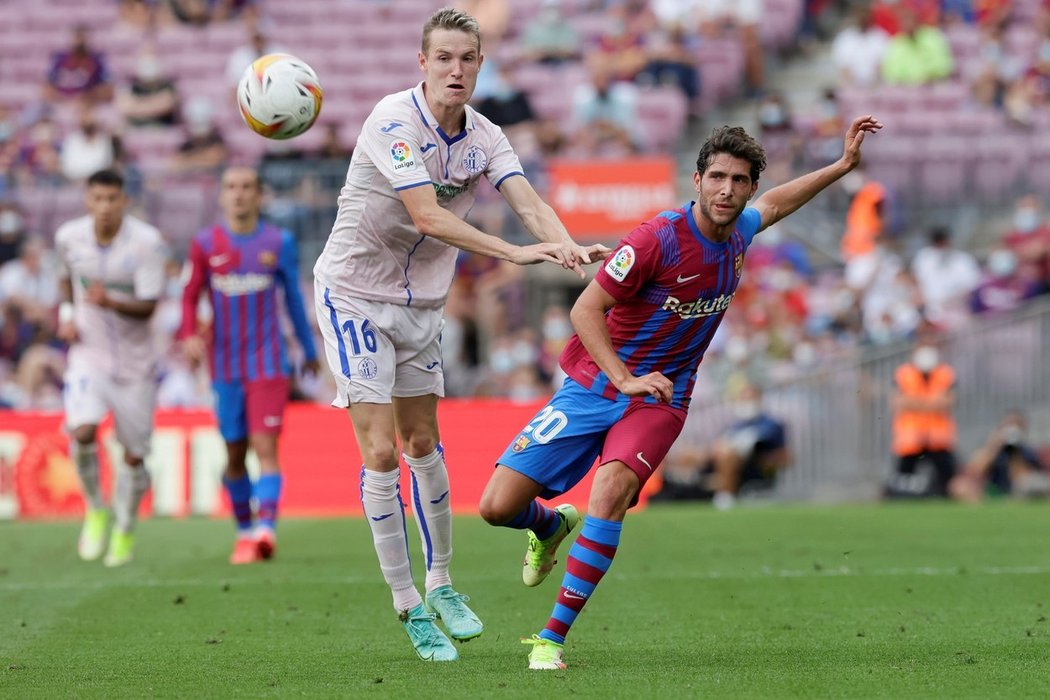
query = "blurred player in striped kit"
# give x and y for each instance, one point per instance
(242, 262)
(113, 268)
(642, 327)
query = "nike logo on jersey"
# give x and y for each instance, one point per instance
(384, 516)
(390, 127)
(426, 148)
(644, 461)
(432, 365)
(440, 498)
(686, 279)
(219, 260)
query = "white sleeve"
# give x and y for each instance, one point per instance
(149, 276)
(504, 161)
(62, 252)
(394, 149)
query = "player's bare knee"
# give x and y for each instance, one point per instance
(494, 510)
(420, 444)
(614, 489)
(381, 456)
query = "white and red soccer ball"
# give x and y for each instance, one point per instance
(279, 96)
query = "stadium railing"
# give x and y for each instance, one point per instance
(839, 419)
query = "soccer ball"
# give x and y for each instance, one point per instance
(279, 96)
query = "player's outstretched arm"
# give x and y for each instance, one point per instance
(588, 318)
(785, 199)
(432, 220)
(543, 223)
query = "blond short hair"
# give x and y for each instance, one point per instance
(452, 19)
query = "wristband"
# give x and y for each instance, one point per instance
(66, 312)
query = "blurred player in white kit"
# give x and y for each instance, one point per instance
(380, 289)
(112, 278)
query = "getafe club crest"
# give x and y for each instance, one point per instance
(475, 160)
(367, 368)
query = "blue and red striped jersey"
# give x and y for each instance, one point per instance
(672, 287)
(242, 273)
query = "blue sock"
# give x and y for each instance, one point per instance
(240, 492)
(589, 558)
(267, 494)
(540, 519)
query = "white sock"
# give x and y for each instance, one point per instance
(385, 513)
(86, 459)
(132, 485)
(430, 484)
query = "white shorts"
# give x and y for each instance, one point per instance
(90, 394)
(379, 351)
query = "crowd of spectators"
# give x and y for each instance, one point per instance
(792, 309)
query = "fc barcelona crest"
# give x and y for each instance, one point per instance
(521, 443)
(738, 264)
(268, 258)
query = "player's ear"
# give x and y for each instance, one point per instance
(754, 188)
(422, 62)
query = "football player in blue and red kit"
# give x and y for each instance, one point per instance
(642, 327)
(243, 261)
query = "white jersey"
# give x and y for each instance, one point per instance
(130, 267)
(374, 251)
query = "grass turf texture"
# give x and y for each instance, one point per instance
(909, 600)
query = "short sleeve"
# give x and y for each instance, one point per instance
(504, 162)
(748, 223)
(149, 276)
(394, 149)
(62, 252)
(632, 265)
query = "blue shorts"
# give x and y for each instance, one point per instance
(561, 443)
(250, 407)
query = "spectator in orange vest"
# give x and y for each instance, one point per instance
(924, 430)
(866, 217)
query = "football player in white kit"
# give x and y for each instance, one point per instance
(380, 289)
(113, 276)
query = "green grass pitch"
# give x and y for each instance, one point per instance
(895, 601)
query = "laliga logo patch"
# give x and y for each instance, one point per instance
(475, 161)
(621, 263)
(401, 155)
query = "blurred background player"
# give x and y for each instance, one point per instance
(113, 266)
(923, 424)
(1006, 464)
(642, 327)
(380, 289)
(242, 262)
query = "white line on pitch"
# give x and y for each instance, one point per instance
(842, 571)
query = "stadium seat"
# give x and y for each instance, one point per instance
(662, 111)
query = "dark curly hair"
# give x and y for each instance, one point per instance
(737, 143)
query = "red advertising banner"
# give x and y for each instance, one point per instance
(319, 458)
(607, 198)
